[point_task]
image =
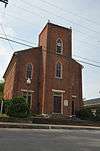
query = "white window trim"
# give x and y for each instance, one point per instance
(25, 90)
(61, 46)
(60, 91)
(61, 71)
(74, 96)
(62, 101)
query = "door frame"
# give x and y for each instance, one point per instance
(31, 94)
(58, 105)
(61, 93)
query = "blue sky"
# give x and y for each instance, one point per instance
(25, 19)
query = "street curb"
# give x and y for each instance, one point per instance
(46, 126)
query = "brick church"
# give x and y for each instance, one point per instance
(47, 76)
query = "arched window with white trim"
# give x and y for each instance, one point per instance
(58, 71)
(59, 46)
(29, 71)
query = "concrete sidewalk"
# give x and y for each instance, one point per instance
(45, 126)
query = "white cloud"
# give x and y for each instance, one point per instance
(10, 31)
(2, 51)
(7, 30)
(0, 19)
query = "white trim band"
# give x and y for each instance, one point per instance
(24, 90)
(61, 91)
(74, 96)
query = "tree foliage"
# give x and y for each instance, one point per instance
(18, 108)
(86, 114)
(1, 89)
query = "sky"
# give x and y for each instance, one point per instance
(23, 21)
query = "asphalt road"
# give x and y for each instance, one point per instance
(49, 140)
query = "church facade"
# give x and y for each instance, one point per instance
(47, 75)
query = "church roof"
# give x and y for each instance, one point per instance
(16, 54)
(55, 25)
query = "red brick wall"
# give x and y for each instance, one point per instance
(15, 79)
(9, 80)
(71, 70)
(43, 41)
(55, 32)
(32, 56)
(43, 78)
(43, 38)
(76, 84)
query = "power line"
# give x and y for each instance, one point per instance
(6, 37)
(70, 12)
(5, 2)
(88, 63)
(45, 10)
(64, 19)
(2, 27)
(16, 38)
(91, 64)
(28, 11)
(15, 41)
(88, 43)
(19, 18)
(86, 59)
(44, 16)
(75, 30)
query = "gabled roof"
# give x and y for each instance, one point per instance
(90, 102)
(16, 54)
(52, 24)
(77, 62)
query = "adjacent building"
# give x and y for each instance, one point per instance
(47, 75)
(93, 104)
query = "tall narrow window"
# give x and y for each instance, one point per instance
(59, 46)
(59, 70)
(29, 71)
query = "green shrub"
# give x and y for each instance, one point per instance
(86, 114)
(0, 104)
(18, 108)
(6, 106)
(1, 89)
(97, 117)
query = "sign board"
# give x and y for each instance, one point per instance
(65, 102)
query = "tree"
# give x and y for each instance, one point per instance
(1, 89)
(18, 107)
(86, 114)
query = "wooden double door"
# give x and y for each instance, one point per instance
(57, 104)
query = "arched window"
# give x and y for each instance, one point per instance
(29, 70)
(59, 46)
(59, 70)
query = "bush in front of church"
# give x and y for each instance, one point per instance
(18, 108)
(97, 117)
(85, 114)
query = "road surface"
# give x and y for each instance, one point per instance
(49, 140)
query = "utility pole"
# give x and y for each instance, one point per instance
(5, 2)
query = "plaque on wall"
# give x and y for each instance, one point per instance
(65, 102)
